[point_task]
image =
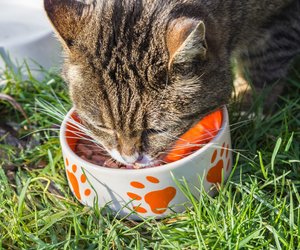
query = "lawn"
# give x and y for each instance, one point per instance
(258, 208)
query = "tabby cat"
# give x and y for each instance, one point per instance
(142, 72)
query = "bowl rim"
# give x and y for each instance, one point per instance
(165, 167)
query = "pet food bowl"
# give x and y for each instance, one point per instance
(26, 34)
(147, 192)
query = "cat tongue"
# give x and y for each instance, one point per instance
(144, 162)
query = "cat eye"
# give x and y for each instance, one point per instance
(104, 129)
(154, 131)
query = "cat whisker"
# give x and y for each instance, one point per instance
(54, 116)
(77, 125)
(59, 101)
(96, 144)
(50, 110)
(39, 131)
(240, 123)
(236, 151)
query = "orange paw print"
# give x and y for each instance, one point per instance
(75, 183)
(157, 200)
(214, 175)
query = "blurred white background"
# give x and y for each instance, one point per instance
(26, 34)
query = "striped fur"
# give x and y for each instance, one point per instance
(123, 83)
(268, 58)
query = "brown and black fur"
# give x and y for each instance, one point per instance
(142, 72)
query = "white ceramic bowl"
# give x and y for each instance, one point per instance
(26, 34)
(139, 193)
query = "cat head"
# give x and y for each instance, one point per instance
(138, 75)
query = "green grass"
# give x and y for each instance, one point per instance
(258, 208)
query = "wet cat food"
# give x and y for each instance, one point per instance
(91, 152)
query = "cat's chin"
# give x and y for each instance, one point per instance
(146, 165)
(145, 162)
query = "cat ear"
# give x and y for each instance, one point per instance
(186, 41)
(66, 17)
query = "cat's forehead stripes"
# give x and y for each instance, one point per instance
(131, 44)
(122, 111)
